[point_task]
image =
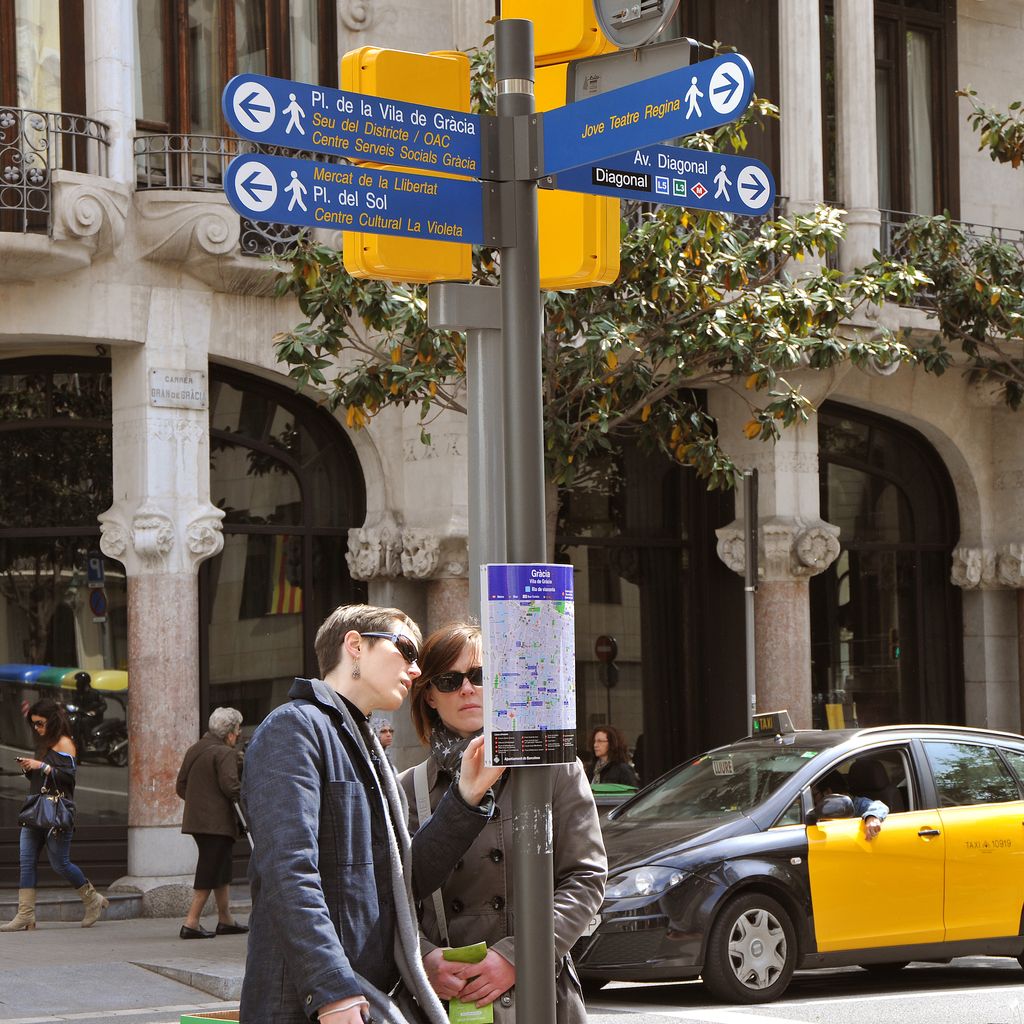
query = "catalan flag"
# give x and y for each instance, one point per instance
(287, 596)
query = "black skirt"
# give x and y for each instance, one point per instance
(214, 867)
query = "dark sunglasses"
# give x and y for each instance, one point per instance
(449, 682)
(406, 648)
(37, 724)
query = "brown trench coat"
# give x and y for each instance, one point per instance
(208, 782)
(478, 896)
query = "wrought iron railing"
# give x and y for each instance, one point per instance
(197, 163)
(894, 243)
(34, 144)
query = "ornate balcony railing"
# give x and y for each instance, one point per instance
(894, 243)
(34, 144)
(197, 163)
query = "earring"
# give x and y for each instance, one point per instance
(355, 671)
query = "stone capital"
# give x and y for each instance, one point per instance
(154, 539)
(789, 548)
(387, 550)
(978, 568)
(89, 210)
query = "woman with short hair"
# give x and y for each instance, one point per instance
(209, 784)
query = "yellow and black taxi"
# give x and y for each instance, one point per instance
(756, 859)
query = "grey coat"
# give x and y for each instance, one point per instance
(478, 895)
(208, 783)
(324, 909)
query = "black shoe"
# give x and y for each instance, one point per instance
(231, 929)
(194, 933)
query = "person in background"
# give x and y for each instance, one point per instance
(611, 758)
(208, 782)
(385, 732)
(477, 899)
(871, 812)
(54, 765)
(333, 915)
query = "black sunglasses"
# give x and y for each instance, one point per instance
(406, 648)
(449, 682)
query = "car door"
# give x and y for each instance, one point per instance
(982, 817)
(884, 892)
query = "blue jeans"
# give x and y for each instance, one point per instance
(58, 849)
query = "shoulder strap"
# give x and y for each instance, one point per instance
(423, 812)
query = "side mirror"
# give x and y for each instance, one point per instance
(834, 806)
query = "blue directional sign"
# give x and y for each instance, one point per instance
(662, 107)
(678, 177)
(347, 198)
(351, 124)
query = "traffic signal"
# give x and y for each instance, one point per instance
(561, 31)
(437, 80)
(894, 644)
(578, 234)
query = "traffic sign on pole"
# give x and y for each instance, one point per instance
(341, 197)
(664, 107)
(678, 177)
(315, 118)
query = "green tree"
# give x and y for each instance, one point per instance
(1000, 132)
(701, 299)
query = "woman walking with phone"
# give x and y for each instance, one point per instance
(54, 767)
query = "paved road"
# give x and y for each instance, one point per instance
(974, 990)
(139, 972)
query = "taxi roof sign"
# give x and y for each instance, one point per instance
(771, 723)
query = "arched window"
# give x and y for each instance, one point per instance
(290, 485)
(885, 620)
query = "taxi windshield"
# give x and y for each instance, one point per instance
(723, 783)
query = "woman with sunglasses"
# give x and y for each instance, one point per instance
(54, 765)
(475, 902)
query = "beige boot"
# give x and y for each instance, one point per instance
(95, 904)
(25, 920)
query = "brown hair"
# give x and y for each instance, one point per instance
(363, 618)
(440, 651)
(618, 751)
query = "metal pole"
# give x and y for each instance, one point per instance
(486, 456)
(522, 325)
(750, 582)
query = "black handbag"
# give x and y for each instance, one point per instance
(48, 809)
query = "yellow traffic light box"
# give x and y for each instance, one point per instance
(563, 30)
(579, 234)
(434, 79)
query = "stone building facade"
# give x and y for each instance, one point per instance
(150, 431)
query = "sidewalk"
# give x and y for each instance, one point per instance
(139, 972)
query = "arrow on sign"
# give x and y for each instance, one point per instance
(730, 87)
(253, 186)
(249, 104)
(756, 188)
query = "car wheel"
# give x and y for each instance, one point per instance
(884, 970)
(751, 950)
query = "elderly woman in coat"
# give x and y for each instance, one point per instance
(209, 784)
(476, 901)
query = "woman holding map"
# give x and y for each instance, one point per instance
(475, 904)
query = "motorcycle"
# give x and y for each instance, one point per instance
(95, 735)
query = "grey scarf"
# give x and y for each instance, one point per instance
(407, 935)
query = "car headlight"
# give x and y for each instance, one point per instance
(645, 881)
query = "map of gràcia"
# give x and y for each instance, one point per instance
(529, 662)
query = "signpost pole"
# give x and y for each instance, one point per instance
(522, 326)
(750, 582)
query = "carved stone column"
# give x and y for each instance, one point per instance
(420, 570)
(856, 130)
(161, 526)
(992, 579)
(110, 83)
(800, 102)
(793, 545)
